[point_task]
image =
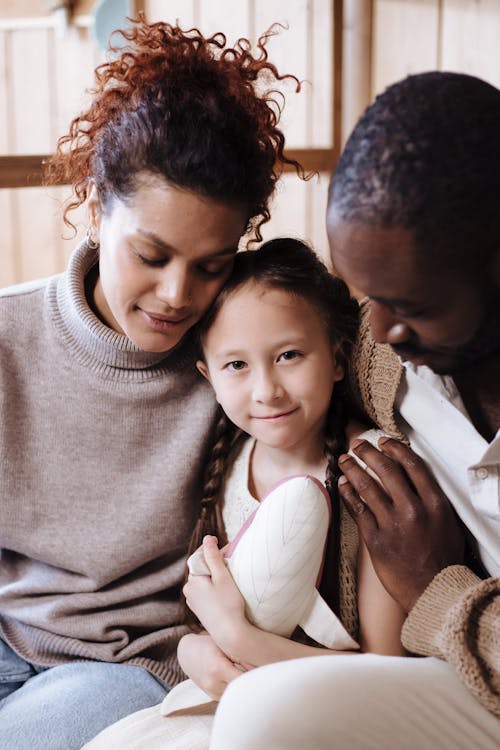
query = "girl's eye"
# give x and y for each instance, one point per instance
(288, 356)
(236, 366)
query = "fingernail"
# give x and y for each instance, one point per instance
(383, 440)
(343, 458)
(343, 480)
(357, 442)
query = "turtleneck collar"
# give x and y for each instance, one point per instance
(93, 342)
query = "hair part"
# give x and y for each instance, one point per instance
(186, 107)
(425, 156)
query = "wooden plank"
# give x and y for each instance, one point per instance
(405, 39)
(320, 52)
(37, 245)
(23, 171)
(73, 75)
(171, 11)
(288, 51)
(5, 144)
(470, 34)
(357, 62)
(30, 100)
(7, 256)
(220, 15)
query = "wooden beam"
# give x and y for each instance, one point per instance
(21, 171)
(26, 171)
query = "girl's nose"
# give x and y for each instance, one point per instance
(385, 326)
(266, 388)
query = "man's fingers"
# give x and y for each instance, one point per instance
(387, 469)
(359, 511)
(366, 487)
(415, 468)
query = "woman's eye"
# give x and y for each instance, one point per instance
(236, 366)
(213, 269)
(151, 261)
(287, 356)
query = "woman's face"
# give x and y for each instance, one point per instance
(164, 255)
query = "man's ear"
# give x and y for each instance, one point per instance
(203, 369)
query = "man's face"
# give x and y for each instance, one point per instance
(428, 315)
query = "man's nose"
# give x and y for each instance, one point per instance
(385, 326)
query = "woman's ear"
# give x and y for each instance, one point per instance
(94, 211)
(203, 369)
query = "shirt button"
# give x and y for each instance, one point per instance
(482, 473)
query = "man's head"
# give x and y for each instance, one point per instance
(414, 217)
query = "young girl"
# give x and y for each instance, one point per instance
(276, 348)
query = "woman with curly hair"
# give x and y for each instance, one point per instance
(105, 421)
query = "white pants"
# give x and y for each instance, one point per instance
(364, 702)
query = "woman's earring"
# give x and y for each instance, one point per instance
(91, 242)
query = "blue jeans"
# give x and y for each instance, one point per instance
(63, 707)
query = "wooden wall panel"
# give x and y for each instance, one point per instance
(319, 127)
(470, 38)
(8, 271)
(405, 39)
(32, 101)
(171, 11)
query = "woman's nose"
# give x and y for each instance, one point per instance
(385, 326)
(174, 288)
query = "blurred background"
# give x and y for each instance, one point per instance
(345, 52)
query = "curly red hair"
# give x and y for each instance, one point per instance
(186, 107)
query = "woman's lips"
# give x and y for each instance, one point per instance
(163, 322)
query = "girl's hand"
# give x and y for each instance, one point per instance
(215, 599)
(204, 662)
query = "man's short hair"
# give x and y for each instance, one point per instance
(425, 156)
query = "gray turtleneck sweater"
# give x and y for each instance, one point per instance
(102, 447)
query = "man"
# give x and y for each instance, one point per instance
(414, 223)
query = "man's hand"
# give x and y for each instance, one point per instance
(409, 527)
(204, 662)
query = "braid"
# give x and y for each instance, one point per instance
(335, 445)
(210, 519)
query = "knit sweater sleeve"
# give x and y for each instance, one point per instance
(457, 618)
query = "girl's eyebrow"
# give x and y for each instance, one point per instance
(152, 237)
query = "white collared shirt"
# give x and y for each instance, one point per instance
(467, 467)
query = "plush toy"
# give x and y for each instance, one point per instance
(276, 560)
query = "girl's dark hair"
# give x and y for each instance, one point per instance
(292, 266)
(187, 108)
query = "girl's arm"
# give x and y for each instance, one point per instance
(219, 606)
(204, 662)
(380, 617)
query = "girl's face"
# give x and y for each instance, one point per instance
(272, 365)
(164, 255)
